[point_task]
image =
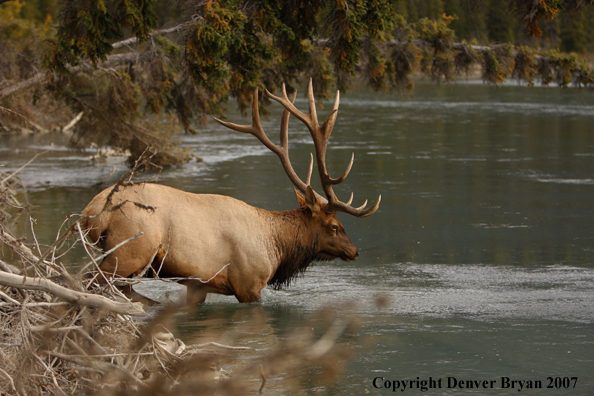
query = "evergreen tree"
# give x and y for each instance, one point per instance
(431, 9)
(573, 33)
(40, 9)
(470, 19)
(411, 11)
(499, 23)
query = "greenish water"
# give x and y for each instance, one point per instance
(483, 243)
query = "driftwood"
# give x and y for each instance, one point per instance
(71, 296)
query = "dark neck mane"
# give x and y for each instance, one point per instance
(295, 245)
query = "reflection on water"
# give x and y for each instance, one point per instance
(483, 242)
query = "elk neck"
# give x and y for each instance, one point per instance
(295, 244)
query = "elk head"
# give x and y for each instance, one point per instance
(329, 236)
(331, 240)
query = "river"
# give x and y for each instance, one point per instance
(483, 245)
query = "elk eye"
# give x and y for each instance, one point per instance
(334, 228)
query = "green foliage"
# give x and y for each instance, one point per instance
(524, 66)
(18, 34)
(321, 71)
(223, 49)
(584, 76)
(464, 58)
(437, 60)
(39, 10)
(21, 45)
(564, 67)
(346, 33)
(235, 47)
(437, 34)
(534, 12)
(493, 71)
(208, 44)
(231, 46)
(87, 27)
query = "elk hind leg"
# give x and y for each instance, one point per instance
(131, 257)
(128, 259)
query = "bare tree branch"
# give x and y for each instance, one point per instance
(161, 32)
(71, 296)
(23, 85)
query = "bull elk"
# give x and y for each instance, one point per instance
(219, 244)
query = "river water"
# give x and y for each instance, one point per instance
(483, 245)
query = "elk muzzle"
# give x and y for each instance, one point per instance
(350, 254)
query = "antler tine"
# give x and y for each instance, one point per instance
(308, 179)
(351, 199)
(284, 129)
(281, 151)
(362, 206)
(254, 129)
(358, 212)
(331, 120)
(340, 179)
(288, 105)
(312, 103)
(320, 135)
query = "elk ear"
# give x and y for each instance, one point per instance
(312, 201)
(300, 198)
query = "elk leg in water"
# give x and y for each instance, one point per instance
(195, 294)
(197, 291)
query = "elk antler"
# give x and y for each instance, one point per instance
(320, 136)
(282, 151)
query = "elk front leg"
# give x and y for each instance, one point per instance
(195, 293)
(249, 296)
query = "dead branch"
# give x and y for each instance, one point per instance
(9, 299)
(73, 122)
(22, 167)
(222, 346)
(97, 365)
(162, 32)
(11, 381)
(107, 253)
(19, 248)
(23, 85)
(11, 269)
(327, 341)
(71, 296)
(27, 255)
